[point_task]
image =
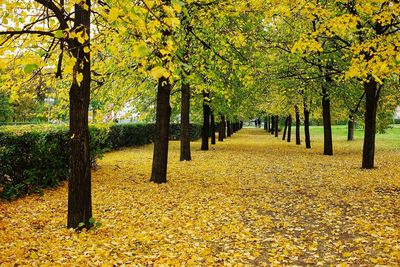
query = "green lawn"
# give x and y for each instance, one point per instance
(388, 140)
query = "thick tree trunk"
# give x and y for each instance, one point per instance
(289, 133)
(276, 126)
(350, 128)
(163, 113)
(205, 133)
(285, 129)
(326, 116)
(79, 183)
(296, 108)
(307, 127)
(185, 123)
(372, 97)
(228, 129)
(265, 124)
(213, 142)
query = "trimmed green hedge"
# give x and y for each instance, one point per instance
(33, 158)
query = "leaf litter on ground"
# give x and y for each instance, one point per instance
(250, 200)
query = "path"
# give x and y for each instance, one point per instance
(251, 200)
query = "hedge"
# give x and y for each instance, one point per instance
(33, 158)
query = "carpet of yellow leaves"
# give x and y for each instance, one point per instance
(251, 200)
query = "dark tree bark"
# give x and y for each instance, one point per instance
(79, 183)
(228, 129)
(163, 113)
(276, 126)
(285, 129)
(372, 96)
(220, 131)
(289, 133)
(185, 123)
(241, 124)
(205, 133)
(350, 128)
(307, 127)
(326, 116)
(223, 130)
(296, 108)
(213, 142)
(272, 130)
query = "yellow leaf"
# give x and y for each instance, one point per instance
(157, 72)
(113, 14)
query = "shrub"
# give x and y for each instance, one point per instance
(33, 158)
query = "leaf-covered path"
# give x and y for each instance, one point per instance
(251, 200)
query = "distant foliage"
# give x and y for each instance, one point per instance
(36, 157)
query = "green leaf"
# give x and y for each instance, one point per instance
(92, 220)
(29, 68)
(81, 224)
(59, 34)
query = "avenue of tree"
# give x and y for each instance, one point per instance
(219, 62)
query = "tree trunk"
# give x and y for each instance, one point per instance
(228, 129)
(185, 123)
(276, 126)
(223, 126)
(212, 129)
(265, 124)
(307, 127)
(79, 182)
(163, 113)
(350, 128)
(94, 115)
(372, 97)
(272, 130)
(289, 133)
(285, 129)
(297, 125)
(326, 116)
(205, 133)
(220, 130)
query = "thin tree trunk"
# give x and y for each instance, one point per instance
(289, 133)
(372, 97)
(223, 126)
(185, 123)
(163, 113)
(79, 182)
(307, 127)
(326, 116)
(205, 133)
(94, 115)
(285, 129)
(350, 128)
(276, 126)
(297, 125)
(220, 130)
(213, 142)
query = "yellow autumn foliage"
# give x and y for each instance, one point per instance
(251, 200)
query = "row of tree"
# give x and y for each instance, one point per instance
(231, 58)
